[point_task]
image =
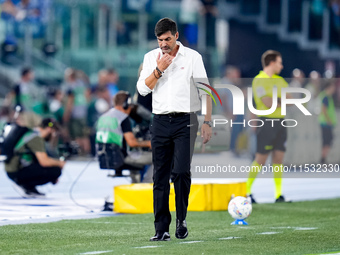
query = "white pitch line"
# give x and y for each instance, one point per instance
(112, 222)
(243, 227)
(268, 233)
(302, 228)
(295, 228)
(229, 238)
(149, 246)
(192, 242)
(281, 227)
(94, 252)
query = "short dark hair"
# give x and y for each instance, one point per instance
(120, 98)
(164, 25)
(49, 122)
(111, 71)
(25, 71)
(269, 56)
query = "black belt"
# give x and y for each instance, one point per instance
(175, 114)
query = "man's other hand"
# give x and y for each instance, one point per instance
(206, 133)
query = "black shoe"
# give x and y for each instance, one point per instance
(33, 192)
(27, 192)
(281, 199)
(161, 236)
(251, 199)
(181, 229)
(108, 207)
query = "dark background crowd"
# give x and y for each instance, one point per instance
(69, 58)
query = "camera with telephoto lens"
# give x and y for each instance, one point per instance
(68, 150)
(142, 118)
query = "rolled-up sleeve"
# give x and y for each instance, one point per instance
(145, 73)
(200, 76)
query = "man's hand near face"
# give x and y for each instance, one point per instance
(164, 62)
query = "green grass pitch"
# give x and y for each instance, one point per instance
(288, 228)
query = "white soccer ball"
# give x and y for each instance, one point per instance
(239, 208)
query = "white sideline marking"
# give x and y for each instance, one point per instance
(112, 222)
(192, 242)
(95, 252)
(281, 227)
(330, 254)
(149, 246)
(243, 227)
(268, 233)
(229, 238)
(296, 228)
(302, 228)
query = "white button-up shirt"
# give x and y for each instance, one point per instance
(176, 90)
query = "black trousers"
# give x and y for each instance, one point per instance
(34, 175)
(173, 139)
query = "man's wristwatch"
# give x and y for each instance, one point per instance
(209, 123)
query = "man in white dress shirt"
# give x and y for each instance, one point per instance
(171, 73)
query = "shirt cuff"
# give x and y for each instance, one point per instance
(142, 88)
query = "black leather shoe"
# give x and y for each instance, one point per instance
(281, 199)
(161, 236)
(251, 199)
(181, 229)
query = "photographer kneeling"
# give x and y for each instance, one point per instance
(30, 165)
(114, 133)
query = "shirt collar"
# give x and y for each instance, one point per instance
(264, 73)
(181, 49)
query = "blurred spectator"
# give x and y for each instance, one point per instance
(76, 108)
(188, 19)
(28, 9)
(297, 81)
(82, 76)
(102, 78)
(26, 94)
(33, 12)
(112, 78)
(56, 107)
(327, 118)
(8, 8)
(232, 76)
(313, 86)
(210, 12)
(100, 103)
(101, 83)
